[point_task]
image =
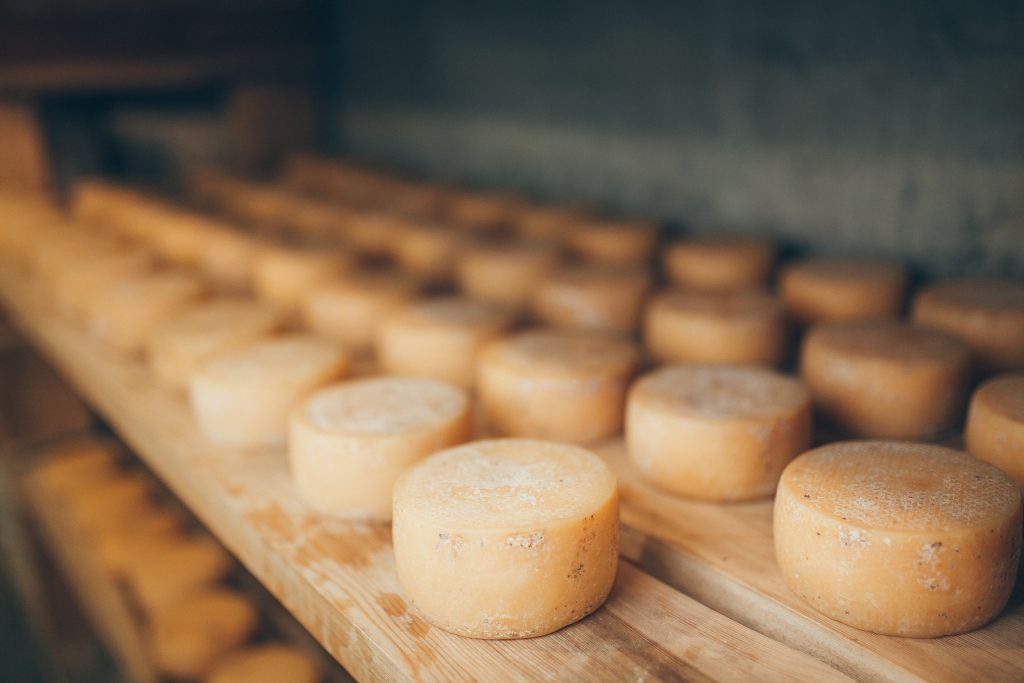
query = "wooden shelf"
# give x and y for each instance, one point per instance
(338, 578)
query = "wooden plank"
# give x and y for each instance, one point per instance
(338, 578)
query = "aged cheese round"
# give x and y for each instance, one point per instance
(739, 326)
(144, 532)
(374, 232)
(266, 663)
(348, 443)
(613, 242)
(592, 298)
(109, 502)
(242, 397)
(559, 385)
(720, 263)
(988, 314)
(77, 464)
(440, 338)
(995, 424)
(716, 432)
(826, 289)
(283, 275)
(483, 211)
(548, 223)
(504, 273)
(428, 251)
(899, 538)
(228, 259)
(189, 636)
(509, 538)
(182, 342)
(168, 568)
(885, 379)
(350, 309)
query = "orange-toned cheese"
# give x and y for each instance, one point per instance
(511, 538)
(898, 538)
(267, 663)
(106, 503)
(716, 432)
(827, 289)
(548, 223)
(988, 314)
(283, 275)
(352, 308)
(886, 379)
(77, 464)
(559, 385)
(143, 533)
(995, 424)
(166, 570)
(739, 326)
(592, 298)
(719, 263)
(228, 259)
(482, 211)
(504, 273)
(428, 251)
(614, 242)
(348, 443)
(440, 338)
(374, 232)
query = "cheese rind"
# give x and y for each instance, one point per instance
(719, 263)
(592, 298)
(282, 275)
(508, 538)
(716, 432)
(832, 289)
(504, 274)
(995, 424)
(348, 443)
(351, 309)
(898, 538)
(613, 242)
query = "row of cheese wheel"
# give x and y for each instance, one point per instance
(195, 629)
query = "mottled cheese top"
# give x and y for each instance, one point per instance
(501, 483)
(900, 486)
(988, 294)
(562, 352)
(279, 358)
(386, 406)
(889, 340)
(1004, 395)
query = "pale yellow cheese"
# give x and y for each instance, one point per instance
(716, 432)
(885, 379)
(266, 663)
(440, 338)
(428, 251)
(510, 538)
(188, 637)
(170, 566)
(228, 259)
(614, 242)
(719, 263)
(352, 308)
(559, 385)
(995, 424)
(898, 538)
(987, 313)
(738, 326)
(827, 289)
(592, 298)
(184, 341)
(504, 273)
(282, 275)
(243, 396)
(348, 443)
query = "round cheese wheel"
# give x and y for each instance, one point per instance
(188, 637)
(242, 397)
(548, 223)
(504, 274)
(716, 432)
(228, 259)
(351, 309)
(348, 443)
(267, 663)
(995, 424)
(283, 275)
(559, 385)
(827, 289)
(483, 211)
(898, 538)
(509, 538)
(124, 314)
(720, 263)
(109, 502)
(740, 326)
(144, 532)
(185, 340)
(374, 232)
(614, 242)
(886, 379)
(179, 237)
(78, 464)
(592, 298)
(428, 251)
(440, 338)
(171, 566)
(988, 314)
(425, 201)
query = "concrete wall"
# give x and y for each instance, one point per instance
(872, 126)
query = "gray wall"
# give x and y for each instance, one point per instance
(878, 126)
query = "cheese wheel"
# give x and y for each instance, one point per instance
(145, 532)
(351, 309)
(75, 286)
(170, 567)
(716, 432)
(720, 263)
(509, 538)
(898, 538)
(349, 443)
(614, 242)
(124, 314)
(592, 298)
(374, 232)
(987, 314)
(228, 260)
(995, 424)
(188, 637)
(559, 385)
(504, 274)
(827, 289)
(440, 338)
(267, 663)
(740, 326)
(428, 251)
(110, 502)
(242, 397)
(886, 379)
(548, 223)
(184, 341)
(283, 275)
(483, 211)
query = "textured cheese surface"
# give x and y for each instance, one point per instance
(995, 424)
(385, 405)
(268, 663)
(889, 341)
